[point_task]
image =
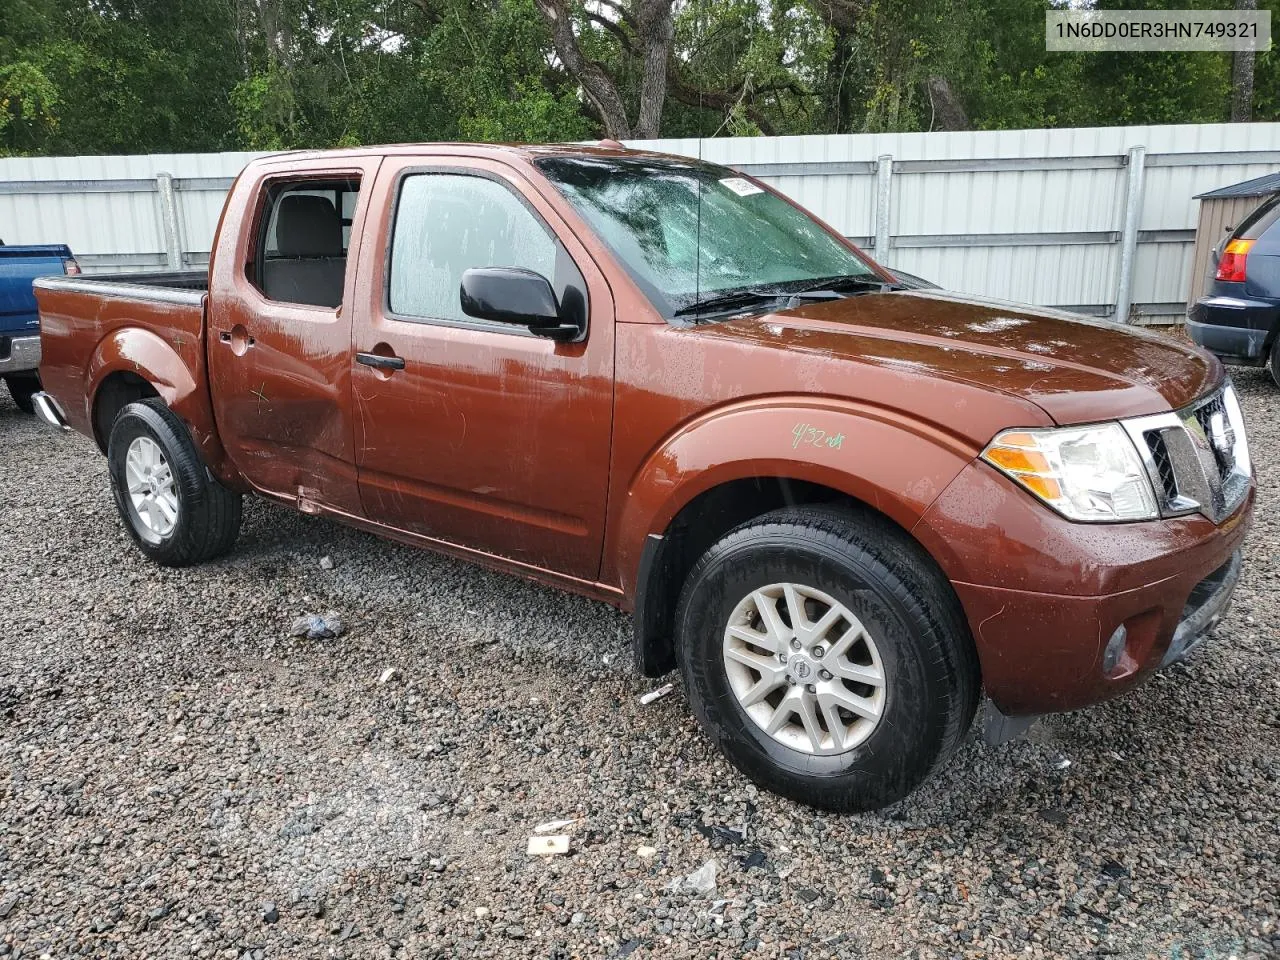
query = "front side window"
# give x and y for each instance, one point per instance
(448, 223)
(685, 229)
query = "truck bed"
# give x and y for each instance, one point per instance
(155, 322)
(171, 287)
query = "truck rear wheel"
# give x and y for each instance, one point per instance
(22, 387)
(826, 657)
(174, 509)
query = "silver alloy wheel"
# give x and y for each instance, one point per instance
(804, 668)
(152, 490)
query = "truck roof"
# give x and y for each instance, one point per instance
(605, 148)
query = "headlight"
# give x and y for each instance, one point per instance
(1085, 473)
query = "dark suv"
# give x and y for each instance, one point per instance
(1239, 316)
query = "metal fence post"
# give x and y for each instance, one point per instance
(1129, 232)
(169, 220)
(884, 193)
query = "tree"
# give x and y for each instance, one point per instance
(129, 76)
(728, 57)
(1242, 76)
(644, 31)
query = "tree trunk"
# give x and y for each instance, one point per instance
(657, 33)
(948, 111)
(596, 83)
(1242, 76)
(838, 117)
(841, 18)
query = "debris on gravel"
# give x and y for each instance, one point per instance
(313, 626)
(702, 881)
(174, 771)
(657, 694)
(548, 846)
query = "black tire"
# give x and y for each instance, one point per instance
(208, 514)
(1273, 363)
(886, 580)
(22, 387)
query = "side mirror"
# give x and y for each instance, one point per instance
(515, 295)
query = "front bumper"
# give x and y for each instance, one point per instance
(1234, 328)
(1204, 608)
(1045, 597)
(19, 354)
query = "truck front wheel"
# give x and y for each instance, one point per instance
(826, 657)
(22, 387)
(174, 509)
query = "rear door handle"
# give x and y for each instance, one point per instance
(239, 339)
(380, 362)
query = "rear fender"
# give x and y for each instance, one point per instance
(178, 378)
(893, 463)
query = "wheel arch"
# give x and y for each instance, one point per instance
(132, 364)
(669, 556)
(116, 391)
(732, 469)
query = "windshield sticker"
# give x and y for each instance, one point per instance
(743, 188)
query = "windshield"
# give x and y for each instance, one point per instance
(682, 252)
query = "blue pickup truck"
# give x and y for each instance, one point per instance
(19, 323)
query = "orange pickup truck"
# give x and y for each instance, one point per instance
(842, 508)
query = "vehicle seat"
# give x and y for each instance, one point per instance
(309, 265)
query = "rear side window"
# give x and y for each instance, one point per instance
(305, 235)
(448, 223)
(1259, 222)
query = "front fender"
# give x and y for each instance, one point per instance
(892, 462)
(178, 379)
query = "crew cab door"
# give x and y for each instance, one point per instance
(279, 331)
(476, 433)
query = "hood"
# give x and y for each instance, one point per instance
(1075, 368)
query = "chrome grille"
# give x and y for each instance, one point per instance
(1197, 457)
(1163, 464)
(1211, 417)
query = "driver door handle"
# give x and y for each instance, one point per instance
(380, 362)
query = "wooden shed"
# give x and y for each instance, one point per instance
(1220, 211)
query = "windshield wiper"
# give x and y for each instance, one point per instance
(746, 296)
(731, 299)
(844, 282)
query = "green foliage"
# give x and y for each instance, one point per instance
(490, 63)
(130, 76)
(28, 99)
(266, 112)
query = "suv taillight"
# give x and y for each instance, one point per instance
(71, 268)
(1231, 265)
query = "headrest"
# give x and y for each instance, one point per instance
(308, 226)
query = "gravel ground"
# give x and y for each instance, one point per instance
(180, 778)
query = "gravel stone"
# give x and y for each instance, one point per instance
(170, 764)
